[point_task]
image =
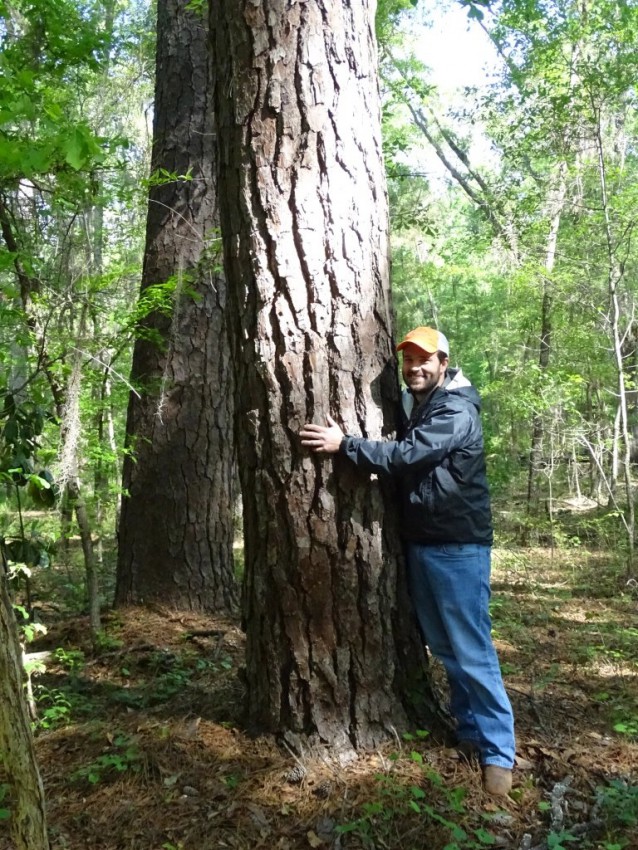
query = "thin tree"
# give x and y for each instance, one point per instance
(556, 201)
(176, 528)
(615, 274)
(332, 653)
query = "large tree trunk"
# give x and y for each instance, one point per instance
(28, 820)
(331, 644)
(176, 528)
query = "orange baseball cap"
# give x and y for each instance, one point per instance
(427, 339)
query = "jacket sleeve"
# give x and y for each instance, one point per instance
(424, 447)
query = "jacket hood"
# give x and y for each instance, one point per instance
(456, 382)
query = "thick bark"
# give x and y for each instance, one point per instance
(331, 647)
(28, 818)
(176, 528)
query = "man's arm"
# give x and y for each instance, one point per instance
(423, 447)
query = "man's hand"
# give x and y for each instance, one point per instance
(322, 439)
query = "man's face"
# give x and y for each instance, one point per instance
(422, 372)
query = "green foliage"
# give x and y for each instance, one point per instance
(71, 660)
(28, 550)
(148, 679)
(389, 15)
(24, 545)
(54, 708)
(231, 780)
(384, 819)
(123, 755)
(157, 300)
(58, 705)
(483, 269)
(238, 564)
(628, 726)
(619, 804)
(198, 7)
(163, 177)
(23, 425)
(173, 674)
(29, 631)
(73, 152)
(47, 51)
(105, 642)
(418, 734)
(5, 813)
(559, 840)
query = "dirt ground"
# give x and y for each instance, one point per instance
(141, 745)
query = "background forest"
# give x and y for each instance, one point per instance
(513, 206)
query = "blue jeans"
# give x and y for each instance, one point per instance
(450, 588)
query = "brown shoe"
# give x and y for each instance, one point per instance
(497, 780)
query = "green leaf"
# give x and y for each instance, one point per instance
(484, 836)
(11, 430)
(74, 150)
(22, 611)
(7, 259)
(40, 483)
(475, 13)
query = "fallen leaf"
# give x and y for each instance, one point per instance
(257, 815)
(550, 754)
(313, 839)
(190, 728)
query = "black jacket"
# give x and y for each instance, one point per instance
(440, 463)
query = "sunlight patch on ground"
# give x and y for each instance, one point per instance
(614, 669)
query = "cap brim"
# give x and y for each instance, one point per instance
(418, 345)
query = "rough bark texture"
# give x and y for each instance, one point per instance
(17, 753)
(330, 639)
(176, 528)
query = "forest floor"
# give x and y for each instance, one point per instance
(141, 745)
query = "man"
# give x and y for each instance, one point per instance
(447, 528)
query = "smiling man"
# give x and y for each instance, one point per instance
(447, 528)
